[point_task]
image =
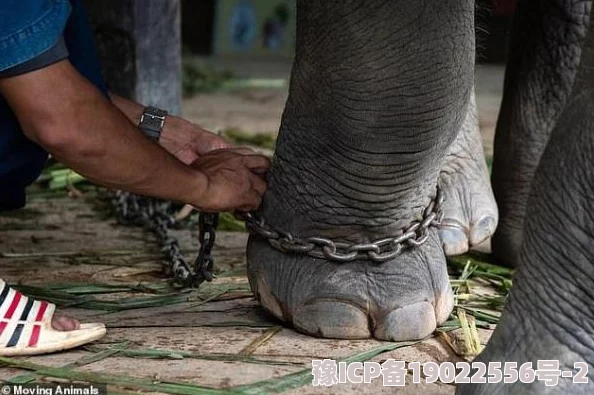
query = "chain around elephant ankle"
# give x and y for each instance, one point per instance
(380, 250)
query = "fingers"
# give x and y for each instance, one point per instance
(236, 150)
(252, 197)
(253, 200)
(237, 176)
(243, 150)
(259, 171)
(256, 163)
(259, 185)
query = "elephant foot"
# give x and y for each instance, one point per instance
(470, 211)
(402, 299)
(519, 341)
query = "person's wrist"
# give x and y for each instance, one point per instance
(197, 190)
(174, 130)
(132, 110)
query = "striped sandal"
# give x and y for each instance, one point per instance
(26, 327)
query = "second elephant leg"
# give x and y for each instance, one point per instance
(549, 314)
(544, 56)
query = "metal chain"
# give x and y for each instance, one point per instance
(154, 214)
(204, 262)
(381, 250)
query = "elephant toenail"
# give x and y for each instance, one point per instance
(334, 319)
(454, 239)
(482, 230)
(415, 321)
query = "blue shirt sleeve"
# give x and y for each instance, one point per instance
(54, 54)
(30, 27)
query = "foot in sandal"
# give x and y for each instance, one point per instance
(28, 327)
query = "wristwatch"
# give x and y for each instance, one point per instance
(152, 121)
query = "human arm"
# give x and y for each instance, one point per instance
(61, 111)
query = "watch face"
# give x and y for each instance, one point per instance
(153, 117)
(153, 122)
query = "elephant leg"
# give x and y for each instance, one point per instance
(379, 90)
(550, 310)
(543, 58)
(470, 211)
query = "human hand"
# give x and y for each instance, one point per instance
(235, 180)
(188, 142)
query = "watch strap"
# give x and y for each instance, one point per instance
(152, 121)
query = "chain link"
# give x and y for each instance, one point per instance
(154, 214)
(382, 250)
(205, 262)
